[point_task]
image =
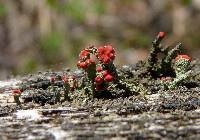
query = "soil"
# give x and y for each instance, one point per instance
(159, 114)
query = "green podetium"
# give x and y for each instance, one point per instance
(182, 69)
(182, 64)
(16, 94)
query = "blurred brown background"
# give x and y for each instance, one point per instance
(42, 34)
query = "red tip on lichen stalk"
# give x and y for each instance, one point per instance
(106, 54)
(161, 35)
(99, 69)
(84, 54)
(90, 61)
(52, 78)
(64, 79)
(165, 78)
(105, 73)
(16, 92)
(98, 80)
(183, 56)
(109, 78)
(82, 65)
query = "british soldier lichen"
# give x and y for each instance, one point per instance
(101, 71)
(16, 94)
(182, 69)
(98, 74)
(159, 67)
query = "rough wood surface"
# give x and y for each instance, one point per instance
(165, 115)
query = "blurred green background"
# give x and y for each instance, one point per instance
(49, 34)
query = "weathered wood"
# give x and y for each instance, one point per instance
(165, 115)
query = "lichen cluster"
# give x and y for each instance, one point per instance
(173, 68)
(98, 76)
